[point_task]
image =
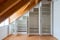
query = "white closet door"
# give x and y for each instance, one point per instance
(46, 19)
(33, 22)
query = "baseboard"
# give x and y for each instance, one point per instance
(33, 34)
(7, 36)
(55, 37)
(22, 33)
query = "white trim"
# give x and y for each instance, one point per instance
(45, 34)
(39, 19)
(51, 20)
(33, 34)
(21, 32)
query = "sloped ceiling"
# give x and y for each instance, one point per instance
(2, 1)
(8, 7)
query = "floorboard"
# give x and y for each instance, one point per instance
(26, 37)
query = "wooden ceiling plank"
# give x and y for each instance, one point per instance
(6, 4)
(10, 7)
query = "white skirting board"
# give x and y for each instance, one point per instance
(21, 32)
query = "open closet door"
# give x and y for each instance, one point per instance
(33, 22)
(46, 19)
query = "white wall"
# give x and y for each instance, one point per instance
(3, 32)
(57, 19)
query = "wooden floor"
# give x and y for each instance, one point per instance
(26, 37)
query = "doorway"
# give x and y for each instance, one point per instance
(46, 19)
